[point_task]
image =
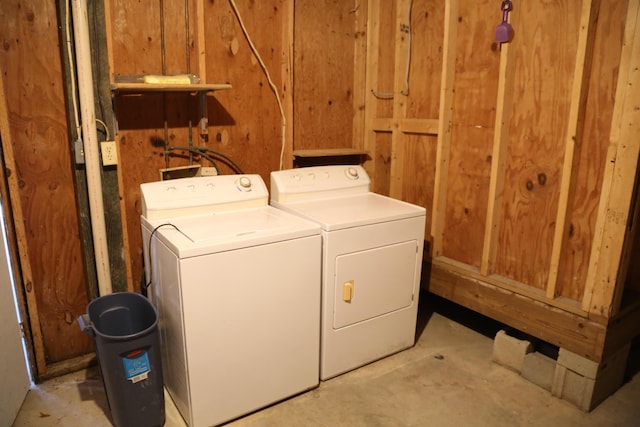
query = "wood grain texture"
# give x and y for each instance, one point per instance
(324, 55)
(544, 66)
(561, 328)
(244, 123)
(597, 124)
(475, 92)
(33, 82)
(604, 290)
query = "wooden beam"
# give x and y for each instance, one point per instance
(499, 154)
(359, 74)
(108, 27)
(201, 41)
(407, 125)
(573, 139)
(603, 291)
(511, 285)
(11, 173)
(286, 88)
(444, 128)
(371, 81)
(561, 328)
(400, 85)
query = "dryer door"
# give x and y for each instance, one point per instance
(373, 282)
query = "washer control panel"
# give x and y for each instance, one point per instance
(200, 195)
(314, 181)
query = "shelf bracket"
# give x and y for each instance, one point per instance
(204, 121)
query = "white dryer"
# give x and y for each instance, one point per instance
(371, 262)
(237, 286)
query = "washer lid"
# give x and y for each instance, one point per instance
(352, 211)
(205, 234)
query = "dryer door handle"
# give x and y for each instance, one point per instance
(347, 291)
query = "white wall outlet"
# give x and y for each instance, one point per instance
(109, 153)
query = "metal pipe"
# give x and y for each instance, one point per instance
(90, 138)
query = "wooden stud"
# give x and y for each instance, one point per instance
(201, 44)
(444, 128)
(499, 154)
(21, 234)
(371, 81)
(360, 71)
(402, 43)
(287, 83)
(604, 287)
(108, 25)
(575, 127)
(407, 125)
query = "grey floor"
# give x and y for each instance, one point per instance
(446, 379)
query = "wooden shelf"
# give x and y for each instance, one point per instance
(329, 156)
(330, 152)
(133, 88)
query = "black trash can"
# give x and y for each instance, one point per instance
(125, 328)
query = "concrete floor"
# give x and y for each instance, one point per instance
(446, 379)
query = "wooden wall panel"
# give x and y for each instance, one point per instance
(385, 50)
(423, 102)
(136, 48)
(419, 174)
(324, 49)
(244, 123)
(31, 69)
(248, 114)
(475, 90)
(593, 148)
(542, 88)
(383, 163)
(136, 37)
(427, 29)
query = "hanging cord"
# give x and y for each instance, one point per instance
(268, 76)
(106, 129)
(74, 100)
(166, 224)
(405, 29)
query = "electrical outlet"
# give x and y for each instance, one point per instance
(109, 153)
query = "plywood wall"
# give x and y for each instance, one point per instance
(474, 131)
(244, 123)
(523, 159)
(54, 281)
(324, 59)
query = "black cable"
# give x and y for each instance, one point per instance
(200, 150)
(149, 252)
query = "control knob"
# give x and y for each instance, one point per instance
(352, 173)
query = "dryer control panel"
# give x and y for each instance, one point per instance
(318, 181)
(202, 195)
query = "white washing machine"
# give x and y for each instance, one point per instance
(371, 262)
(237, 286)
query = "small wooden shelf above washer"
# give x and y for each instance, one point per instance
(167, 87)
(330, 152)
(329, 156)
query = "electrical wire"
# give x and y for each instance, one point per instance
(266, 72)
(406, 76)
(200, 150)
(405, 92)
(106, 129)
(166, 224)
(74, 100)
